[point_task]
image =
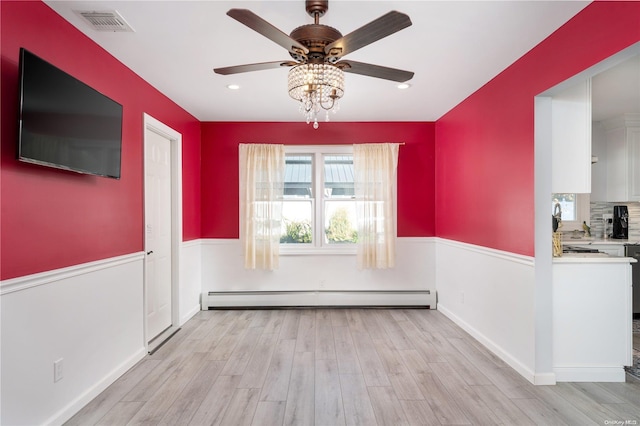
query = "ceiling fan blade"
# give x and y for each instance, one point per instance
(263, 27)
(375, 30)
(237, 69)
(378, 71)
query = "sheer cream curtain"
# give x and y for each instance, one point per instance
(261, 191)
(374, 167)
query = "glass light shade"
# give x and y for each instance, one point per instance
(316, 86)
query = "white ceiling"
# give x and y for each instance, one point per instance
(454, 47)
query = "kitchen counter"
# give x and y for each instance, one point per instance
(593, 241)
(592, 258)
(592, 311)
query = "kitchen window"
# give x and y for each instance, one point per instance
(319, 213)
(575, 210)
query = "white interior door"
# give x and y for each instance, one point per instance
(158, 274)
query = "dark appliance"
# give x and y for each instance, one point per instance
(633, 250)
(66, 124)
(620, 222)
(573, 249)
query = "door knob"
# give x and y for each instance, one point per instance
(149, 252)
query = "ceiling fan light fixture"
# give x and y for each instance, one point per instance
(317, 87)
(403, 86)
(316, 79)
(233, 86)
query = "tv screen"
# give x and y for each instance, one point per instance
(66, 124)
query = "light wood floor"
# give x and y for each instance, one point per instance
(342, 366)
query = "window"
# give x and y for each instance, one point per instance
(575, 210)
(568, 205)
(318, 210)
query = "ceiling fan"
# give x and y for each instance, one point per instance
(316, 77)
(316, 43)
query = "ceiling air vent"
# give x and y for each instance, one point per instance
(105, 20)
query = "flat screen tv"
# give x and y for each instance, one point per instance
(66, 124)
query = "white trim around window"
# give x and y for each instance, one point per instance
(318, 245)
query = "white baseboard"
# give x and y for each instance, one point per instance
(544, 379)
(317, 298)
(70, 410)
(497, 350)
(189, 314)
(590, 374)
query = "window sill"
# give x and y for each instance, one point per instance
(317, 251)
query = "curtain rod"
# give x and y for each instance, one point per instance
(342, 144)
(320, 145)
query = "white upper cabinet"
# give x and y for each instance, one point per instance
(620, 170)
(571, 140)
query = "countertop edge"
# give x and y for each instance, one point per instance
(597, 241)
(569, 258)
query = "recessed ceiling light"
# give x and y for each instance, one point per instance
(233, 87)
(403, 86)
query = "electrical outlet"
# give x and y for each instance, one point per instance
(58, 370)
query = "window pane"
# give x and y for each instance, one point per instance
(567, 204)
(298, 174)
(297, 217)
(340, 222)
(338, 176)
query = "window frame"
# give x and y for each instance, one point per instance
(318, 245)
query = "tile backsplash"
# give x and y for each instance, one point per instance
(598, 209)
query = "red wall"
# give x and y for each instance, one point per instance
(52, 218)
(480, 192)
(220, 166)
(485, 145)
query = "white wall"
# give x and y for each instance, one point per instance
(223, 270)
(89, 315)
(190, 285)
(592, 316)
(490, 294)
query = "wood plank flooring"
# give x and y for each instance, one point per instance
(331, 367)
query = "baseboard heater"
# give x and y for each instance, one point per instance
(255, 299)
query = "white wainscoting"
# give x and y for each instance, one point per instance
(190, 279)
(314, 275)
(490, 294)
(89, 315)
